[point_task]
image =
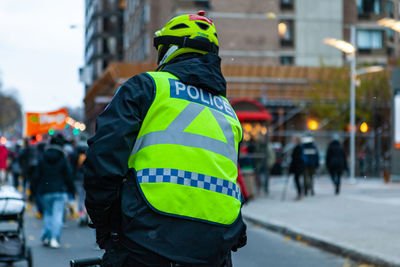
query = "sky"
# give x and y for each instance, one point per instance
(40, 53)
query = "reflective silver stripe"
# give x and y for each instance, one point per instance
(198, 180)
(187, 115)
(174, 134)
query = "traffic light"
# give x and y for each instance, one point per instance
(51, 131)
(75, 131)
(312, 125)
(39, 138)
(3, 140)
(364, 127)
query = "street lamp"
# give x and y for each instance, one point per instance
(312, 125)
(390, 23)
(350, 50)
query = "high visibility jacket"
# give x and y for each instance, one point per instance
(185, 155)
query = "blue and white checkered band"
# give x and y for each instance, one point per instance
(193, 179)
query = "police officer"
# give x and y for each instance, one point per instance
(161, 172)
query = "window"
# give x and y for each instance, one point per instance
(286, 32)
(398, 9)
(287, 4)
(287, 60)
(366, 8)
(390, 34)
(390, 8)
(202, 3)
(390, 52)
(369, 40)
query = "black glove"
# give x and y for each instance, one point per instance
(103, 238)
(242, 240)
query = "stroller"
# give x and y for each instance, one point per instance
(12, 242)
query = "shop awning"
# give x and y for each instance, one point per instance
(250, 110)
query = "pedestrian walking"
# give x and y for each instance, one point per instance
(248, 170)
(34, 183)
(54, 181)
(310, 157)
(266, 164)
(3, 164)
(28, 160)
(72, 156)
(15, 168)
(80, 155)
(161, 170)
(336, 162)
(297, 166)
(243, 189)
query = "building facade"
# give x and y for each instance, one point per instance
(275, 32)
(252, 33)
(103, 37)
(375, 43)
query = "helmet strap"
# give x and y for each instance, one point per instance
(171, 50)
(186, 42)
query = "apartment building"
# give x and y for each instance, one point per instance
(375, 44)
(103, 37)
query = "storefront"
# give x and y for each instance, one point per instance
(253, 157)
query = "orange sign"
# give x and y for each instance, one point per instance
(41, 123)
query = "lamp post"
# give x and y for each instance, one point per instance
(350, 50)
(352, 103)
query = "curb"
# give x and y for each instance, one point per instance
(327, 246)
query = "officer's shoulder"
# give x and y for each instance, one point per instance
(136, 83)
(139, 78)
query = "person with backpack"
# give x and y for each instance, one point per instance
(310, 156)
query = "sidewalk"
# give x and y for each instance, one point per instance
(363, 222)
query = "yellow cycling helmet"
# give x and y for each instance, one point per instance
(188, 33)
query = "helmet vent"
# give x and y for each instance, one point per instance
(215, 34)
(179, 26)
(203, 26)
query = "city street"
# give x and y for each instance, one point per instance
(264, 248)
(76, 242)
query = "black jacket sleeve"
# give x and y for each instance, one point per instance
(109, 149)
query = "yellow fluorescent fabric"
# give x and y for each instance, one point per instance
(185, 156)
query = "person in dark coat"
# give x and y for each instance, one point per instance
(28, 160)
(297, 166)
(34, 186)
(54, 179)
(15, 168)
(336, 162)
(133, 232)
(80, 157)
